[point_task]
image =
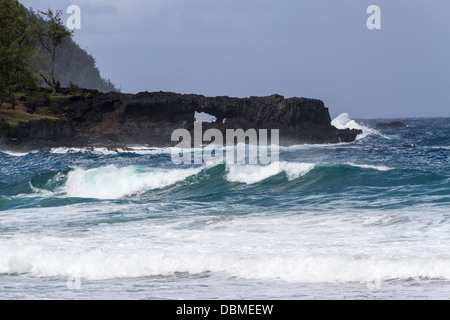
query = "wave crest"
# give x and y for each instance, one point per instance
(343, 121)
(251, 174)
(111, 182)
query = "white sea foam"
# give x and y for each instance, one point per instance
(112, 182)
(111, 150)
(250, 174)
(391, 137)
(297, 147)
(327, 268)
(64, 150)
(437, 147)
(308, 249)
(369, 166)
(38, 192)
(16, 154)
(343, 121)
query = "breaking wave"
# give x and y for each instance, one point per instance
(343, 121)
(251, 174)
(112, 182)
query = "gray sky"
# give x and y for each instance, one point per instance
(305, 48)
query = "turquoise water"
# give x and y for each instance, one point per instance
(368, 219)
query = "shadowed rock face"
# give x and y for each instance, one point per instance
(150, 118)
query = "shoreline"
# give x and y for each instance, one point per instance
(92, 119)
(114, 149)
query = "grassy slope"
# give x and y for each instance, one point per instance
(47, 108)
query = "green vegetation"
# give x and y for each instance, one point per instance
(71, 63)
(50, 35)
(37, 50)
(34, 105)
(16, 50)
(74, 65)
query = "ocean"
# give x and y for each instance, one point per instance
(363, 220)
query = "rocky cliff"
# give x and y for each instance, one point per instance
(99, 119)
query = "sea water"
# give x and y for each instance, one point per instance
(362, 220)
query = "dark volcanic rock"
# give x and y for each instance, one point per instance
(40, 134)
(394, 124)
(150, 118)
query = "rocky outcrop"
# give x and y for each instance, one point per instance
(150, 118)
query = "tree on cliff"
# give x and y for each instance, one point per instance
(37, 49)
(72, 63)
(16, 49)
(50, 36)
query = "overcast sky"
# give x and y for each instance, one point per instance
(305, 48)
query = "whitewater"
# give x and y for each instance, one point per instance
(362, 220)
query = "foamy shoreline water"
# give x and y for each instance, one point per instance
(359, 220)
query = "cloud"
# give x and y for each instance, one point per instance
(319, 49)
(121, 6)
(99, 9)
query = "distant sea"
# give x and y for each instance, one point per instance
(362, 220)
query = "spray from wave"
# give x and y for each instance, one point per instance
(369, 166)
(111, 182)
(343, 121)
(97, 258)
(251, 174)
(111, 150)
(16, 154)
